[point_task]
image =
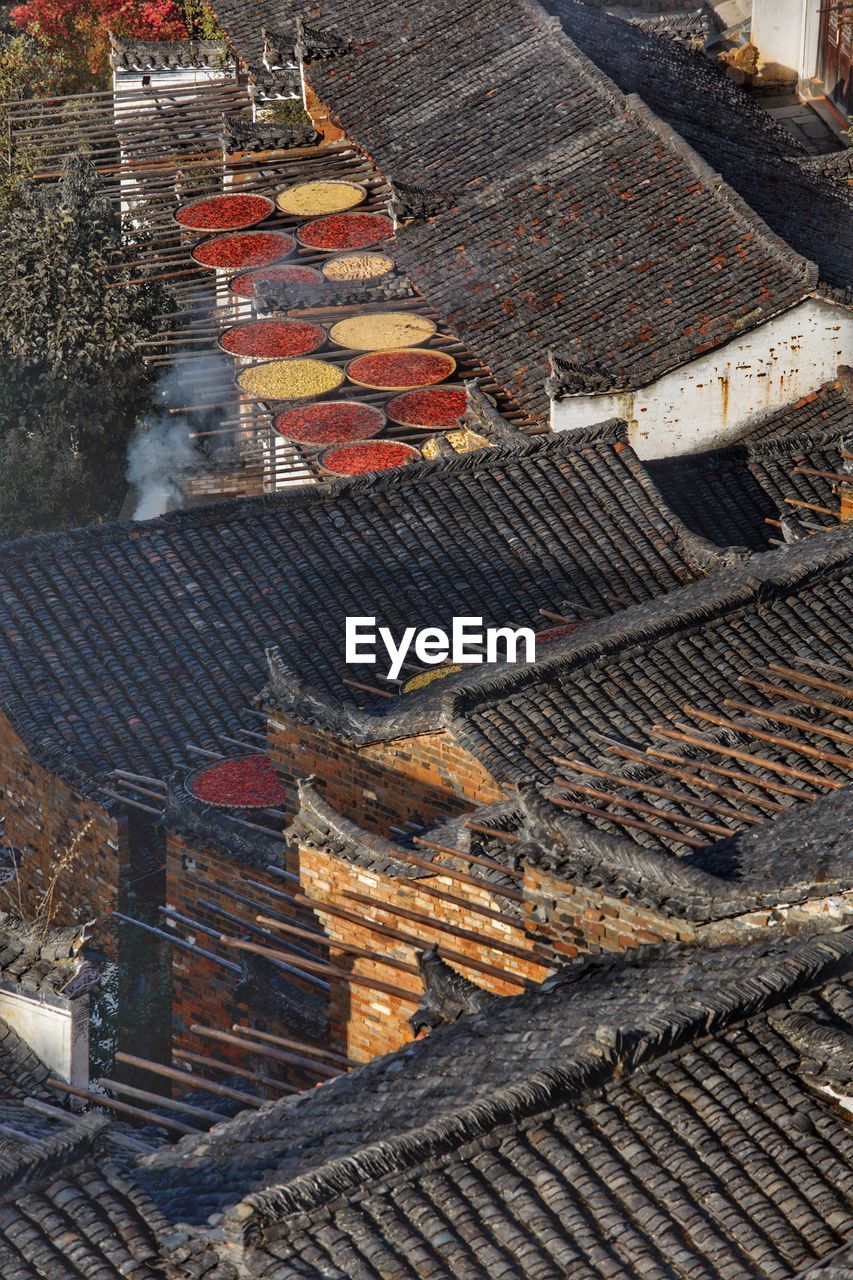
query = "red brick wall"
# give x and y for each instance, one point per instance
(366, 1022)
(50, 824)
(578, 920)
(422, 778)
(203, 991)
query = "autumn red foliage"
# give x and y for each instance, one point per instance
(84, 25)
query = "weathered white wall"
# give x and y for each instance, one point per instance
(57, 1035)
(786, 32)
(132, 102)
(713, 399)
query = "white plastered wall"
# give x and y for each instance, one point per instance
(57, 1034)
(712, 400)
(786, 34)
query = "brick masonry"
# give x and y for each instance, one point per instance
(577, 920)
(423, 778)
(50, 824)
(205, 992)
(366, 1022)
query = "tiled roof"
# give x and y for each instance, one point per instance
(828, 409)
(624, 677)
(784, 861)
(121, 643)
(42, 961)
(582, 223)
(805, 201)
(65, 1212)
(168, 55)
(728, 495)
(559, 189)
(646, 1118)
(22, 1073)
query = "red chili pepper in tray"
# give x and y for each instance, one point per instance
(224, 213)
(273, 338)
(394, 370)
(244, 249)
(249, 782)
(433, 408)
(367, 455)
(330, 422)
(284, 272)
(345, 231)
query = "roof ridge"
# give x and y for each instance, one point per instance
(800, 968)
(720, 593)
(49, 1157)
(319, 823)
(235, 510)
(677, 886)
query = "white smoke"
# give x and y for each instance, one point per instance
(159, 455)
(161, 452)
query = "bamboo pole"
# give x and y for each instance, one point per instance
(189, 1078)
(329, 1055)
(443, 926)
(409, 939)
(692, 774)
(793, 722)
(663, 833)
(266, 1051)
(716, 748)
(228, 1068)
(791, 695)
(816, 682)
(320, 966)
(811, 506)
(509, 836)
(749, 779)
(464, 856)
(775, 739)
(178, 942)
(475, 907)
(638, 806)
(112, 1104)
(677, 797)
(289, 1058)
(361, 952)
(142, 1095)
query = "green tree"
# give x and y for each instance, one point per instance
(72, 382)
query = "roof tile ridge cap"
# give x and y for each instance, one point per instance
(796, 441)
(800, 968)
(237, 510)
(710, 178)
(51, 1156)
(724, 591)
(616, 857)
(317, 814)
